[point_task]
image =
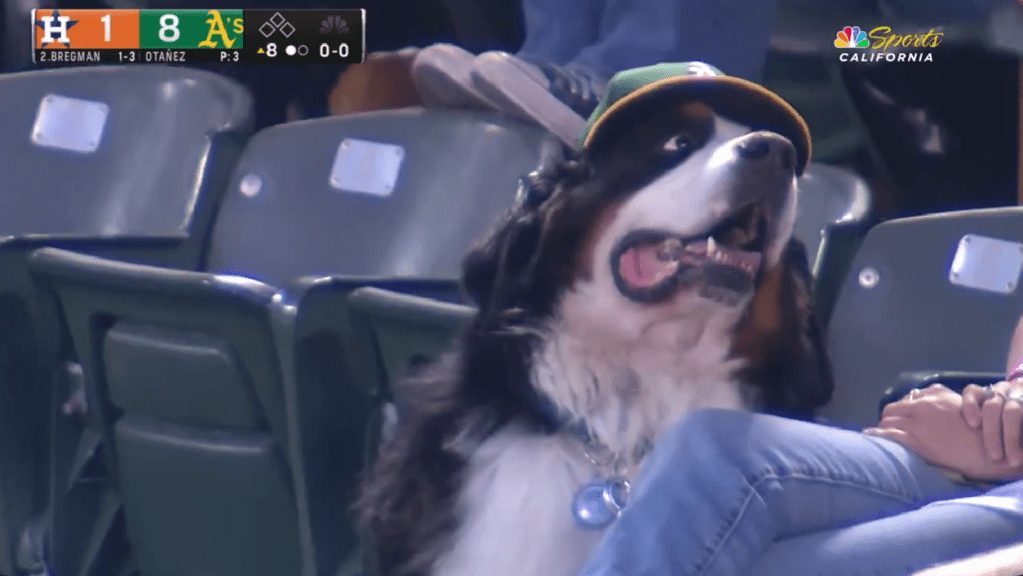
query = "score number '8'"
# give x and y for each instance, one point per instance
(169, 31)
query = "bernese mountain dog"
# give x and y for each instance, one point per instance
(649, 275)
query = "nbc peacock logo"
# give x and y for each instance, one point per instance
(851, 37)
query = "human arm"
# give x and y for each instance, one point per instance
(930, 422)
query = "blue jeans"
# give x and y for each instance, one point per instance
(728, 493)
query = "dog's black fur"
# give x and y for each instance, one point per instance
(515, 277)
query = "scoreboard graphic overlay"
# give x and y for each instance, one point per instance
(183, 36)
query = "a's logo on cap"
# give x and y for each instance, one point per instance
(702, 69)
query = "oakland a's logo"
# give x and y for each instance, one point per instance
(218, 30)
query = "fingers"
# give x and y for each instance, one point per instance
(992, 428)
(894, 434)
(1012, 432)
(894, 421)
(890, 426)
(902, 408)
(909, 405)
(973, 398)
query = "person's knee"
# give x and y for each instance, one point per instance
(706, 435)
(712, 425)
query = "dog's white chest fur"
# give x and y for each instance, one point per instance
(515, 505)
(515, 509)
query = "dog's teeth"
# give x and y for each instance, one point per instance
(711, 246)
(670, 250)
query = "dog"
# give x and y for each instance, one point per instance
(652, 274)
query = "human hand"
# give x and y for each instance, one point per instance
(930, 422)
(997, 412)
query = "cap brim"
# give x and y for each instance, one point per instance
(734, 98)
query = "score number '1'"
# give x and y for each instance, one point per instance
(168, 29)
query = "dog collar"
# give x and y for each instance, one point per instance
(555, 420)
(601, 500)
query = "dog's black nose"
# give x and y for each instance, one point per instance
(768, 147)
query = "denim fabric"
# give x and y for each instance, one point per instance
(728, 493)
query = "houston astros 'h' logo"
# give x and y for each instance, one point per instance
(55, 30)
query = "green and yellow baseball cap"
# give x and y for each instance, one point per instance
(734, 98)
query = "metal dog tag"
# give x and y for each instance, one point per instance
(69, 123)
(988, 264)
(366, 167)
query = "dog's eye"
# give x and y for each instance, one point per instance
(678, 144)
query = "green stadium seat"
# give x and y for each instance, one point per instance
(834, 211)
(926, 294)
(829, 196)
(379, 194)
(394, 334)
(403, 332)
(124, 162)
(264, 332)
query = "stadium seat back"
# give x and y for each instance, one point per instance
(401, 334)
(125, 162)
(834, 210)
(930, 293)
(405, 331)
(113, 151)
(828, 196)
(194, 448)
(398, 193)
(185, 389)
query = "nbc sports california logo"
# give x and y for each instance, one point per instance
(883, 45)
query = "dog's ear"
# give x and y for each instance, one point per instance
(784, 341)
(499, 270)
(495, 265)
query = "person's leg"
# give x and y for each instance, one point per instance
(1006, 561)
(721, 486)
(904, 543)
(732, 35)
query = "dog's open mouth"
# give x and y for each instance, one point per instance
(652, 265)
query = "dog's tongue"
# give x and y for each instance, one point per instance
(640, 266)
